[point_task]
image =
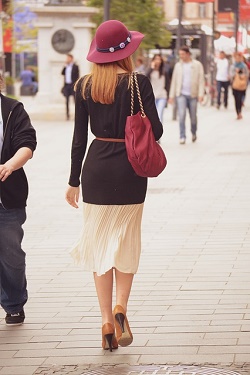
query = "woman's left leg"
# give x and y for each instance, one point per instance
(123, 287)
(104, 288)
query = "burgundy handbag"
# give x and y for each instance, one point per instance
(144, 153)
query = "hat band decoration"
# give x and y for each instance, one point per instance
(116, 48)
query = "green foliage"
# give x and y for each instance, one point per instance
(141, 15)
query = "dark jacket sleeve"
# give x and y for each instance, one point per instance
(22, 133)
(80, 137)
(148, 100)
(75, 73)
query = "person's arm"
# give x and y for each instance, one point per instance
(167, 82)
(77, 72)
(16, 162)
(78, 149)
(172, 91)
(232, 72)
(246, 72)
(201, 83)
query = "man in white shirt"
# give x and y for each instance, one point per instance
(222, 78)
(71, 74)
(187, 88)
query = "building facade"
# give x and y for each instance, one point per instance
(195, 13)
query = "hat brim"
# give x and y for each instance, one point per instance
(107, 57)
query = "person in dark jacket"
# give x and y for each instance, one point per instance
(17, 143)
(71, 74)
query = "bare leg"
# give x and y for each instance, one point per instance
(104, 288)
(123, 288)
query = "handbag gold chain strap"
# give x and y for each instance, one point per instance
(133, 78)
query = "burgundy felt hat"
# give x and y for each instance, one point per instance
(113, 42)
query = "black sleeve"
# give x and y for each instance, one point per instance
(23, 134)
(75, 73)
(148, 100)
(63, 71)
(167, 82)
(80, 137)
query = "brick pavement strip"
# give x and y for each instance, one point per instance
(146, 370)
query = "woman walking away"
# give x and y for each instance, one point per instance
(239, 78)
(160, 81)
(113, 195)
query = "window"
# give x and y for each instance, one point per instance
(202, 10)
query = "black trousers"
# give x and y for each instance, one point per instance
(68, 91)
(224, 85)
(238, 98)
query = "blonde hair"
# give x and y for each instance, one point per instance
(103, 80)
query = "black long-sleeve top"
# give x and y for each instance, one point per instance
(107, 176)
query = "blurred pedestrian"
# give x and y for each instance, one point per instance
(248, 66)
(113, 194)
(239, 77)
(71, 74)
(222, 78)
(187, 88)
(160, 82)
(17, 143)
(28, 79)
(139, 65)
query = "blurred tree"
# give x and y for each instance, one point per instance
(64, 2)
(142, 15)
(20, 20)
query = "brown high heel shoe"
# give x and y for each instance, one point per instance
(108, 337)
(123, 333)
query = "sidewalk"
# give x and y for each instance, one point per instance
(190, 302)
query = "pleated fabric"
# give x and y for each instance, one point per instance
(111, 237)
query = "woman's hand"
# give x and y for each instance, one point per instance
(72, 195)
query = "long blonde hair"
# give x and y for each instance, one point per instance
(103, 79)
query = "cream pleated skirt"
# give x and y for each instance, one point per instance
(111, 237)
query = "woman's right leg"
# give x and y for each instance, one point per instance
(123, 288)
(104, 289)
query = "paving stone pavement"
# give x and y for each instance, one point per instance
(145, 370)
(190, 302)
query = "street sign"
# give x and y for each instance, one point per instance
(228, 6)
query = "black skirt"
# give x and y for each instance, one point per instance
(108, 178)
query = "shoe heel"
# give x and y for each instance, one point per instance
(109, 341)
(109, 338)
(123, 332)
(120, 319)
